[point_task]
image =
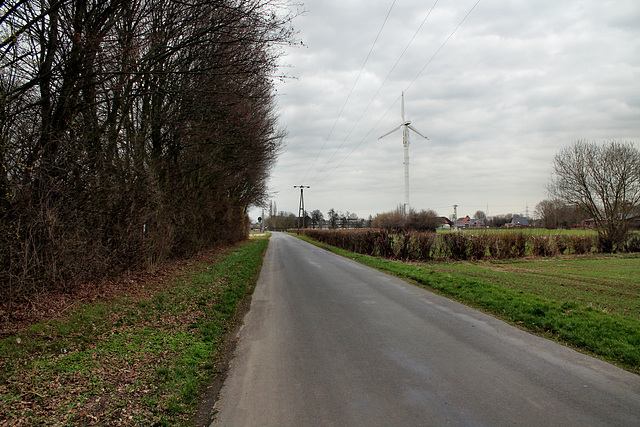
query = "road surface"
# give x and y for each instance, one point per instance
(329, 342)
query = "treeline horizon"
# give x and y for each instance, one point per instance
(131, 131)
(551, 214)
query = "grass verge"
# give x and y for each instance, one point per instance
(128, 361)
(568, 314)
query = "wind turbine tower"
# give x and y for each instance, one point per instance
(406, 126)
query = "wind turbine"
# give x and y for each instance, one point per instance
(405, 125)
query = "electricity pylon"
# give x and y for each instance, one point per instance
(301, 207)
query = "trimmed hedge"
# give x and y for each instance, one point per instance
(426, 246)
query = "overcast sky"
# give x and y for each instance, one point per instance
(516, 82)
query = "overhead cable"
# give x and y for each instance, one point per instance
(350, 91)
(375, 95)
(410, 84)
(441, 46)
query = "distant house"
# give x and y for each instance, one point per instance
(518, 221)
(477, 223)
(463, 222)
(468, 222)
(444, 223)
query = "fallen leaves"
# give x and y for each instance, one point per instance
(107, 378)
(56, 303)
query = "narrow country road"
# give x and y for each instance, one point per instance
(328, 342)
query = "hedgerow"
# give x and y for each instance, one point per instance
(426, 246)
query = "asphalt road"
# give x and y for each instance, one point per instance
(328, 342)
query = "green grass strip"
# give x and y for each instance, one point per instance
(613, 337)
(132, 362)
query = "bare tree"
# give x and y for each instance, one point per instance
(316, 218)
(132, 130)
(333, 217)
(604, 181)
(558, 214)
(414, 220)
(480, 215)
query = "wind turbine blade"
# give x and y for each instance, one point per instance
(416, 131)
(390, 132)
(402, 107)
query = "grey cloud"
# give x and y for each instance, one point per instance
(517, 82)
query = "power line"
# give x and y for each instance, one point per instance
(351, 91)
(442, 45)
(361, 141)
(376, 94)
(301, 211)
(410, 84)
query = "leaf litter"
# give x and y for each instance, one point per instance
(108, 378)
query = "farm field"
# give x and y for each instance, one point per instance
(609, 283)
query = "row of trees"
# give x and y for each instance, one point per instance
(497, 221)
(131, 130)
(315, 219)
(413, 220)
(422, 220)
(556, 213)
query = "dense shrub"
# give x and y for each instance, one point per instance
(518, 243)
(541, 245)
(633, 243)
(581, 244)
(413, 220)
(402, 245)
(562, 243)
(478, 245)
(508, 245)
(383, 243)
(456, 245)
(366, 243)
(425, 244)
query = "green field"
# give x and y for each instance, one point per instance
(608, 283)
(588, 302)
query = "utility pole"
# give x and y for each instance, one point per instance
(301, 207)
